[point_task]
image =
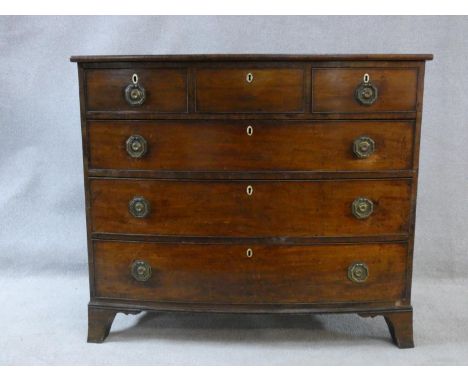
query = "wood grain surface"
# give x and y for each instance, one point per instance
(224, 145)
(166, 89)
(271, 90)
(224, 274)
(334, 89)
(276, 208)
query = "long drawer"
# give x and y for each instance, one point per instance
(230, 145)
(251, 209)
(203, 273)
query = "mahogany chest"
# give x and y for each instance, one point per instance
(251, 184)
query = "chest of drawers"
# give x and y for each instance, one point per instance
(251, 184)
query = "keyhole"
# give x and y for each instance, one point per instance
(249, 77)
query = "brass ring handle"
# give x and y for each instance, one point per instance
(362, 208)
(139, 207)
(366, 93)
(363, 147)
(141, 270)
(136, 146)
(135, 94)
(358, 272)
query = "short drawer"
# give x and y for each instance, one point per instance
(243, 274)
(342, 90)
(253, 90)
(158, 90)
(250, 145)
(251, 208)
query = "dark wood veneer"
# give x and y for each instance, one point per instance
(275, 146)
(166, 90)
(253, 57)
(333, 89)
(272, 90)
(220, 208)
(298, 222)
(218, 273)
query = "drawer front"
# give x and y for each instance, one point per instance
(165, 90)
(250, 209)
(334, 90)
(279, 90)
(251, 145)
(204, 273)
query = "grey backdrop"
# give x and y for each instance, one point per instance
(43, 284)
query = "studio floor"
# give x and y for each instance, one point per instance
(44, 322)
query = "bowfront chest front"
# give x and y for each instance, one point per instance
(251, 184)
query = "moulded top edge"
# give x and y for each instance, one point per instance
(254, 57)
